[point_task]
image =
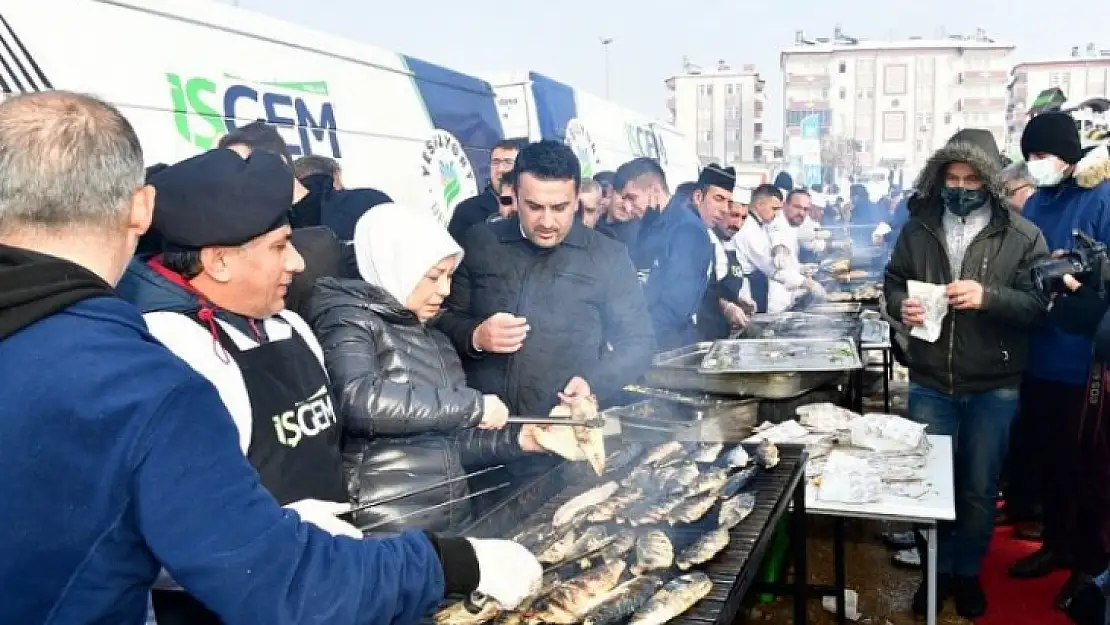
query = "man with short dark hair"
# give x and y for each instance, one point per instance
(506, 201)
(672, 253)
(306, 167)
(538, 295)
(588, 199)
(477, 209)
(722, 308)
(138, 446)
(617, 223)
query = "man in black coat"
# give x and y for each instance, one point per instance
(538, 295)
(481, 207)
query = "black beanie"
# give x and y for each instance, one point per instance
(1052, 133)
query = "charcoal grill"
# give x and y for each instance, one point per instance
(732, 571)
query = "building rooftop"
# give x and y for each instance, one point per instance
(841, 42)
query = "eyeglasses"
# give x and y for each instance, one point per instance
(507, 163)
(506, 200)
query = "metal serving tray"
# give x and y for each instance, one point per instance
(835, 308)
(801, 325)
(678, 370)
(781, 355)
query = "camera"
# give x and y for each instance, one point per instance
(1085, 262)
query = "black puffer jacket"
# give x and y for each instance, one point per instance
(408, 416)
(978, 350)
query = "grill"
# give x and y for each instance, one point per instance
(732, 571)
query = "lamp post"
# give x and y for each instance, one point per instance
(605, 41)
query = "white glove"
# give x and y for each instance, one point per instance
(494, 413)
(880, 231)
(322, 515)
(507, 572)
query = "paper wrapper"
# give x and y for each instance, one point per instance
(935, 303)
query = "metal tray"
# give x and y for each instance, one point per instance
(802, 325)
(835, 308)
(777, 355)
(678, 370)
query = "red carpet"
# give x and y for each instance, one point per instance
(1017, 601)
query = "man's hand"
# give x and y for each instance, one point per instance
(502, 333)
(913, 313)
(576, 388)
(735, 315)
(560, 440)
(1079, 311)
(494, 413)
(528, 439)
(965, 295)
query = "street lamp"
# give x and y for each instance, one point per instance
(605, 41)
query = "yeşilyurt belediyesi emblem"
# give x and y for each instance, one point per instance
(447, 173)
(579, 141)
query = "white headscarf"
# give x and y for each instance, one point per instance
(396, 245)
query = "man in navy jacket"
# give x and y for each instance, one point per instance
(120, 459)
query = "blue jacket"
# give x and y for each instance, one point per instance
(1057, 211)
(672, 256)
(118, 458)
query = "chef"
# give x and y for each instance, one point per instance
(722, 307)
(755, 245)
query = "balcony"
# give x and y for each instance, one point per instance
(808, 80)
(757, 109)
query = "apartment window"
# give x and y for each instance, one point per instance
(708, 135)
(865, 66)
(842, 67)
(825, 93)
(894, 126)
(843, 93)
(728, 90)
(709, 90)
(920, 145)
(757, 153)
(894, 79)
(947, 119)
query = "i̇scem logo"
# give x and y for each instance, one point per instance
(205, 110)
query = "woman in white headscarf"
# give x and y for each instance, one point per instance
(410, 421)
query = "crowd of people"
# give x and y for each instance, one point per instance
(237, 391)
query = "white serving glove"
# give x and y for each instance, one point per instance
(507, 572)
(322, 514)
(879, 232)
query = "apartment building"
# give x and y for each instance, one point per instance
(857, 105)
(1080, 76)
(722, 109)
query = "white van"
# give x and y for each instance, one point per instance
(604, 135)
(186, 71)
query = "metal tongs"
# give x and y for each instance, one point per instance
(594, 422)
(365, 529)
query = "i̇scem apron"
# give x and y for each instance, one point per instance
(295, 438)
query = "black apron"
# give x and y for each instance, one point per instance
(295, 439)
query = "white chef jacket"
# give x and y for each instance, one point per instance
(754, 244)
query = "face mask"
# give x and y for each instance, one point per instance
(1046, 172)
(960, 202)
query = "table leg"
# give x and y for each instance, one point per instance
(887, 374)
(799, 548)
(931, 594)
(840, 572)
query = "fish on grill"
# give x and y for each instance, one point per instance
(623, 542)
(693, 509)
(641, 477)
(654, 511)
(653, 551)
(683, 476)
(703, 550)
(676, 596)
(535, 537)
(589, 541)
(509, 618)
(712, 481)
(569, 601)
(663, 454)
(459, 614)
(609, 509)
(734, 510)
(623, 457)
(588, 499)
(623, 601)
(557, 550)
(767, 454)
(738, 481)
(707, 452)
(737, 458)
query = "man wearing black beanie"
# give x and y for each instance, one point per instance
(1060, 429)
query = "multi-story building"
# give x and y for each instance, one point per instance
(1079, 76)
(722, 109)
(853, 105)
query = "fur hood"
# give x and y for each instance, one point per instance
(931, 180)
(1094, 168)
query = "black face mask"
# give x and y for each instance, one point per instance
(961, 202)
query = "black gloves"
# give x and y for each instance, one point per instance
(1078, 312)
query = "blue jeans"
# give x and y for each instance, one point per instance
(979, 425)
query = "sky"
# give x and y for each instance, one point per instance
(560, 38)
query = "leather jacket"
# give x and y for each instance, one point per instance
(408, 417)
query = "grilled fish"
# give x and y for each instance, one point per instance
(623, 601)
(664, 452)
(653, 551)
(707, 452)
(712, 481)
(640, 477)
(654, 511)
(623, 457)
(569, 601)
(458, 614)
(737, 458)
(683, 476)
(767, 454)
(588, 499)
(738, 481)
(532, 538)
(589, 541)
(710, 544)
(622, 543)
(509, 618)
(677, 596)
(693, 509)
(735, 510)
(608, 509)
(557, 551)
